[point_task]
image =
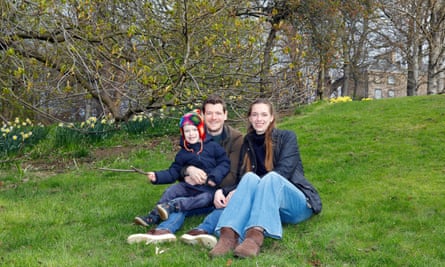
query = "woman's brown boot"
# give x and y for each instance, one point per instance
(251, 245)
(228, 240)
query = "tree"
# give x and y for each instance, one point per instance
(128, 56)
(434, 30)
(354, 36)
(418, 32)
(278, 64)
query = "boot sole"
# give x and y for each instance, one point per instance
(162, 212)
(150, 239)
(139, 221)
(208, 241)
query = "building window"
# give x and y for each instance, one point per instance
(391, 80)
(391, 93)
(377, 93)
(377, 79)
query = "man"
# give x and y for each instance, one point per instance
(215, 114)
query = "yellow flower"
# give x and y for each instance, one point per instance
(14, 137)
(340, 99)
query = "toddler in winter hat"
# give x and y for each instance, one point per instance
(193, 118)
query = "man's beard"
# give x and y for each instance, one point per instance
(215, 132)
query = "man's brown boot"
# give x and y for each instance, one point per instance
(251, 245)
(228, 240)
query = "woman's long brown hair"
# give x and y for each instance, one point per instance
(268, 136)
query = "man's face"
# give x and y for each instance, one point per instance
(214, 118)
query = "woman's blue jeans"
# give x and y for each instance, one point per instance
(266, 202)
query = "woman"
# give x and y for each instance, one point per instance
(272, 191)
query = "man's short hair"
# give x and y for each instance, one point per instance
(213, 99)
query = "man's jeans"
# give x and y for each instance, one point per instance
(176, 219)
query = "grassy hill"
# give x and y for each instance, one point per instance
(378, 165)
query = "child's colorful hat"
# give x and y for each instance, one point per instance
(193, 118)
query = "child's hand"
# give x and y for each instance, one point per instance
(151, 177)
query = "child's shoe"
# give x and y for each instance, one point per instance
(147, 220)
(165, 209)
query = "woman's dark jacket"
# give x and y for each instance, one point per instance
(287, 162)
(212, 159)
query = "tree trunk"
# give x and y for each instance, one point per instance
(412, 58)
(265, 66)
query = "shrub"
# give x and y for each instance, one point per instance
(17, 135)
(340, 99)
(139, 124)
(154, 125)
(92, 130)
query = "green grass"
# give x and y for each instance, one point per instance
(379, 167)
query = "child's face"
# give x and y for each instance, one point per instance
(191, 133)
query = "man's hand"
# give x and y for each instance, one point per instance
(190, 181)
(195, 176)
(219, 200)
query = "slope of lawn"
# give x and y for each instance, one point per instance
(378, 165)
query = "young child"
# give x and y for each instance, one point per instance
(197, 151)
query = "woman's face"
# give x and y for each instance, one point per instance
(260, 117)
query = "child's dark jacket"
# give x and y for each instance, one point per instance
(212, 159)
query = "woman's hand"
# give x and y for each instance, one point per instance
(229, 195)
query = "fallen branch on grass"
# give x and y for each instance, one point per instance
(133, 169)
